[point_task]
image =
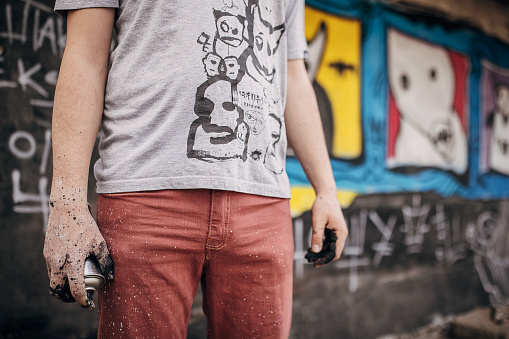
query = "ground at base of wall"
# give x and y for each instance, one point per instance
(476, 324)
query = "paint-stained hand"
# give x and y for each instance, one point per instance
(72, 235)
(328, 220)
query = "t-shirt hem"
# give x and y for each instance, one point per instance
(226, 184)
(294, 55)
(62, 7)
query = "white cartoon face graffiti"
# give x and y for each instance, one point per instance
(502, 99)
(499, 145)
(421, 79)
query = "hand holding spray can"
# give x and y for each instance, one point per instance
(94, 279)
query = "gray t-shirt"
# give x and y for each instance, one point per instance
(196, 93)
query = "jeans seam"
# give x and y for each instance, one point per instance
(225, 226)
(226, 223)
(207, 246)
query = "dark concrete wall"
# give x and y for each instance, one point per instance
(397, 273)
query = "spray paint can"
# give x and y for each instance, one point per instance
(94, 279)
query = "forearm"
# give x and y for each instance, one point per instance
(78, 107)
(76, 118)
(305, 132)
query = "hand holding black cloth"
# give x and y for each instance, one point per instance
(328, 251)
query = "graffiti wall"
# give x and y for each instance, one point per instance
(409, 103)
(416, 118)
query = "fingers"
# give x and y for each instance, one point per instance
(67, 281)
(317, 236)
(328, 252)
(328, 219)
(77, 287)
(59, 286)
(104, 258)
(71, 237)
(341, 232)
(48, 264)
(62, 292)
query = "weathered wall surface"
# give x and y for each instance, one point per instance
(412, 101)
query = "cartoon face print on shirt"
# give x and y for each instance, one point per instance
(237, 103)
(213, 64)
(263, 38)
(220, 131)
(229, 40)
(232, 67)
(271, 161)
(230, 28)
(247, 35)
(256, 121)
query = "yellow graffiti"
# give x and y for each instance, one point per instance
(303, 198)
(343, 44)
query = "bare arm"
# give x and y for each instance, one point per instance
(305, 134)
(72, 234)
(79, 98)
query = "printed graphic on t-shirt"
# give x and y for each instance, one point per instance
(238, 106)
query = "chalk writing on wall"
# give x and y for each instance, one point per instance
(434, 230)
(29, 202)
(26, 18)
(32, 40)
(488, 238)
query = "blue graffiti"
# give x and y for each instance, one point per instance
(371, 173)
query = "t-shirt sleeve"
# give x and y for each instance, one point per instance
(296, 38)
(62, 6)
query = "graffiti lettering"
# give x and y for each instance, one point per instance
(52, 30)
(451, 234)
(354, 248)
(415, 224)
(25, 78)
(452, 247)
(383, 247)
(31, 202)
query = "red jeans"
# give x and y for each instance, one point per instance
(163, 243)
